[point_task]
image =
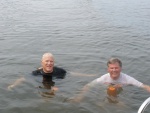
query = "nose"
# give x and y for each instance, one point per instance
(48, 62)
(113, 69)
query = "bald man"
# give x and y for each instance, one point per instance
(48, 71)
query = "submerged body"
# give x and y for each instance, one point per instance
(47, 71)
(57, 73)
(115, 77)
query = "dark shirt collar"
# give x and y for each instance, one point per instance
(43, 73)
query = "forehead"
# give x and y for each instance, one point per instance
(47, 57)
(116, 64)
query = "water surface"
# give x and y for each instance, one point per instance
(82, 35)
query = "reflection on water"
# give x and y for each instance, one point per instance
(46, 92)
(82, 35)
(48, 89)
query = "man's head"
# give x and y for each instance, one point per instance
(114, 68)
(47, 62)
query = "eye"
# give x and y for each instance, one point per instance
(46, 61)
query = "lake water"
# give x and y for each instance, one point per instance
(82, 35)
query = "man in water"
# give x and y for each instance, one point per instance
(114, 78)
(48, 71)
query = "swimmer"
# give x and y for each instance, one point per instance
(114, 76)
(47, 71)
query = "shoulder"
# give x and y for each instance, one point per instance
(59, 72)
(131, 80)
(58, 69)
(103, 78)
(37, 72)
(125, 76)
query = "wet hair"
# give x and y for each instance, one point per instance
(113, 61)
(47, 54)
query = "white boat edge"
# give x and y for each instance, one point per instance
(144, 105)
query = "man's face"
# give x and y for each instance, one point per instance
(48, 64)
(114, 70)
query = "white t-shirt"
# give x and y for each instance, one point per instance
(124, 80)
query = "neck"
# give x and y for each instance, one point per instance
(115, 78)
(47, 71)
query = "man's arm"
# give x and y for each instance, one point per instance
(85, 89)
(146, 87)
(81, 74)
(17, 82)
(137, 83)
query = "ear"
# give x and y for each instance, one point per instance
(41, 62)
(107, 68)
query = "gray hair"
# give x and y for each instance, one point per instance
(113, 61)
(47, 54)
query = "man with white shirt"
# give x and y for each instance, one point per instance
(114, 78)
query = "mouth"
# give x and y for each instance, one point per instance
(115, 73)
(49, 66)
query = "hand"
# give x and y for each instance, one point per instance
(54, 88)
(146, 87)
(77, 99)
(10, 87)
(118, 86)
